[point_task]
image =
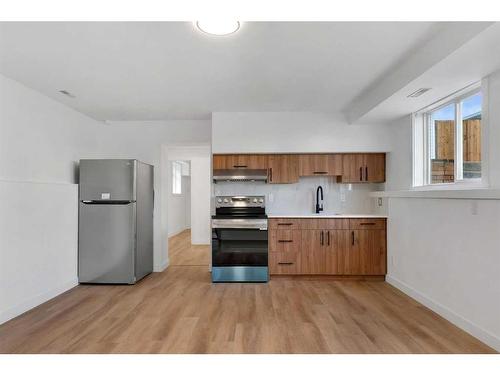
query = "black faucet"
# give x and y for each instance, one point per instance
(319, 207)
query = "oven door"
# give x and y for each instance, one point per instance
(239, 247)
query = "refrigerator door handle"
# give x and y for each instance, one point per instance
(107, 201)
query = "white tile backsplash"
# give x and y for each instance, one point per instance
(300, 198)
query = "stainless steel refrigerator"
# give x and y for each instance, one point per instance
(115, 230)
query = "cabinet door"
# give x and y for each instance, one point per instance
(363, 168)
(320, 164)
(353, 168)
(221, 161)
(349, 259)
(336, 251)
(240, 161)
(374, 168)
(248, 162)
(283, 169)
(372, 251)
(313, 252)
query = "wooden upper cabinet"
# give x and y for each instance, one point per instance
(240, 161)
(320, 164)
(363, 168)
(283, 169)
(352, 167)
(287, 168)
(375, 168)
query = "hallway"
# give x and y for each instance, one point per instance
(183, 253)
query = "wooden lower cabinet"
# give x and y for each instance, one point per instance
(284, 251)
(370, 246)
(287, 263)
(347, 249)
(337, 254)
(313, 252)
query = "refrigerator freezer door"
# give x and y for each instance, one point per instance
(112, 180)
(106, 246)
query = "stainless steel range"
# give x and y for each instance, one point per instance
(239, 240)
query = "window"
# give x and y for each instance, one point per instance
(176, 177)
(447, 141)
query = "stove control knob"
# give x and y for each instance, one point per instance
(261, 200)
(225, 200)
(255, 200)
(219, 200)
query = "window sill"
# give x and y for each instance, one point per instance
(450, 193)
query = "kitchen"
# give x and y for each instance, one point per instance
(342, 181)
(322, 237)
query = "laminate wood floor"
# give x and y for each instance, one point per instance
(181, 311)
(182, 253)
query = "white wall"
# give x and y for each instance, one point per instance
(399, 160)
(200, 200)
(447, 257)
(40, 142)
(38, 244)
(179, 206)
(293, 132)
(445, 252)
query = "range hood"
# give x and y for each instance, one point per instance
(236, 175)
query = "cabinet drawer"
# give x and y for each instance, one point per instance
(324, 223)
(288, 224)
(284, 263)
(367, 224)
(285, 240)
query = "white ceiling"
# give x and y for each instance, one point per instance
(169, 70)
(466, 65)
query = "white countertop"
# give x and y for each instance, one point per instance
(328, 216)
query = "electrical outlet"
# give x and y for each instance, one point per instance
(342, 197)
(380, 202)
(270, 197)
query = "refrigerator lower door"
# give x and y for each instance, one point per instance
(106, 243)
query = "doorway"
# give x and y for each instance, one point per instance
(188, 191)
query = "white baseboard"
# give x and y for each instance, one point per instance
(178, 232)
(162, 267)
(200, 241)
(461, 322)
(35, 301)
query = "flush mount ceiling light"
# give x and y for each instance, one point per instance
(218, 28)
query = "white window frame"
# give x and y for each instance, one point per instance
(421, 143)
(176, 178)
